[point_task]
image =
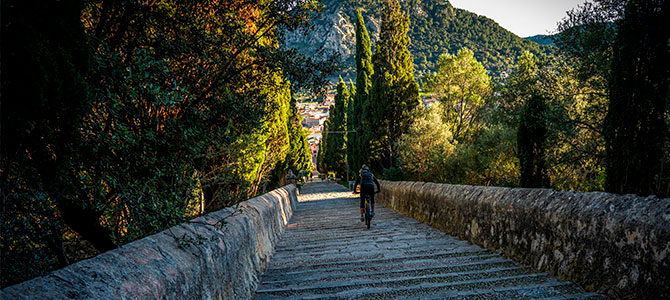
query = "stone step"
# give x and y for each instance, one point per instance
(361, 250)
(325, 253)
(274, 267)
(419, 287)
(381, 271)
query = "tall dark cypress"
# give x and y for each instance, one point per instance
(635, 130)
(351, 134)
(532, 143)
(336, 151)
(394, 92)
(360, 116)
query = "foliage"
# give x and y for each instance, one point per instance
(532, 143)
(636, 129)
(575, 110)
(335, 154)
(44, 98)
(129, 117)
(588, 33)
(299, 155)
(394, 92)
(435, 27)
(462, 85)
(359, 118)
(323, 149)
(423, 149)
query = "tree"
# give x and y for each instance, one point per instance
(588, 33)
(425, 147)
(45, 97)
(532, 143)
(636, 131)
(351, 132)
(300, 155)
(360, 116)
(336, 153)
(122, 114)
(462, 85)
(394, 92)
(323, 155)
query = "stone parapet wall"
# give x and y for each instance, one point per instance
(218, 263)
(618, 245)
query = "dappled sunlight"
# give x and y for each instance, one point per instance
(326, 196)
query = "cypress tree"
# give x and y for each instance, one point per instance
(361, 114)
(340, 125)
(323, 149)
(532, 143)
(336, 151)
(635, 130)
(394, 92)
(299, 157)
(351, 134)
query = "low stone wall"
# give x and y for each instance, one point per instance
(618, 245)
(225, 265)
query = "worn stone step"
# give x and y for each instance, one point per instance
(401, 287)
(306, 247)
(325, 237)
(386, 267)
(400, 272)
(273, 267)
(418, 248)
(325, 253)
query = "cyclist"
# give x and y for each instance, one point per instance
(367, 182)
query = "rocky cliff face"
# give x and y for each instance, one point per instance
(435, 27)
(334, 32)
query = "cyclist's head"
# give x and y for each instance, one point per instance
(365, 168)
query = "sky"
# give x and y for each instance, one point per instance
(522, 17)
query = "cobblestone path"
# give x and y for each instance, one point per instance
(327, 253)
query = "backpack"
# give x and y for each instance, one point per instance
(367, 178)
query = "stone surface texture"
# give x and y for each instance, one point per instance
(225, 265)
(328, 253)
(618, 245)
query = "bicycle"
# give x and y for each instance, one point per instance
(368, 215)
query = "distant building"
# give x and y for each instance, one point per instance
(314, 148)
(428, 100)
(310, 122)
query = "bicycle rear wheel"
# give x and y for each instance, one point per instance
(368, 217)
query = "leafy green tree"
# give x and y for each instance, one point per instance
(129, 117)
(462, 85)
(588, 33)
(636, 129)
(394, 92)
(425, 147)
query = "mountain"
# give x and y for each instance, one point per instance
(542, 39)
(435, 27)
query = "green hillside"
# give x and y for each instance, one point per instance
(542, 39)
(436, 27)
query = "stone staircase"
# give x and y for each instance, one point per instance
(327, 253)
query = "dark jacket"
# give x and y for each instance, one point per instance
(360, 180)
